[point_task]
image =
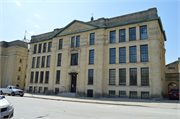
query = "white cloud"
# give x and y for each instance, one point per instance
(32, 32)
(36, 15)
(18, 3)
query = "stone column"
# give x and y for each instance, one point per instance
(127, 34)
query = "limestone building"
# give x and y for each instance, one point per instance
(13, 61)
(122, 56)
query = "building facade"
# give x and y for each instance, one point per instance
(13, 61)
(118, 57)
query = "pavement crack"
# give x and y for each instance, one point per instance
(43, 116)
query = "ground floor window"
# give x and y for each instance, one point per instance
(145, 95)
(56, 91)
(112, 93)
(45, 89)
(122, 94)
(30, 89)
(89, 93)
(35, 89)
(40, 90)
(133, 94)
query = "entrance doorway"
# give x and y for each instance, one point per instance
(73, 83)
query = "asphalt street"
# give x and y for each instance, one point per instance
(33, 108)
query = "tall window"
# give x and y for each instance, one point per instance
(112, 76)
(47, 77)
(58, 77)
(38, 62)
(59, 60)
(49, 46)
(122, 35)
(18, 77)
(35, 48)
(143, 32)
(33, 62)
(60, 43)
(132, 53)
(41, 76)
(72, 42)
(133, 76)
(19, 68)
(36, 78)
(48, 61)
(145, 76)
(39, 50)
(43, 62)
(132, 34)
(77, 41)
(44, 47)
(112, 36)
(90, 78)
(32, 75)
(92, 38)
(144, 53)
(20, 60)
(91, 56)
(122, 55)
(113, 56)
(122, 76)
(74, 59)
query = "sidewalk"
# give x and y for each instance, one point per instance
(111, 101)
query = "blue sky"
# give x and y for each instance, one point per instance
(40, 16)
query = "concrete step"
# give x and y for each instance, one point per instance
(67, 94)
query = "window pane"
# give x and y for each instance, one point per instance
(122, 76)
(91, 57)
(92, 38)
(133, 76)
(35, 48)
(32, 76)
(33, 62)
(74, 59)
(132, 34)
(48, 61)
(77, 41)
(143, 32)
(47, 77)
(56, 91)
(60, 43)
(59, 60)
(38, 62)
(58, 77)
(145, 95)
(39, 51)
(133, 54)
(144, 76)
(144, 53)
(112, 56)
(112, 36)
(122, 94)
(133, 94)
(41, 77)
(112, 93)
(122, 35)
(43, 62)
(44, 47)
(49, 46)
(72, 42)
(112, 77)
(90, 78)
(122, 55)
(36, 78)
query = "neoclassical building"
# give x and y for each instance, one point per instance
(13, 63)
(122, 56)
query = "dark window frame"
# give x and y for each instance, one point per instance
(122, 55)
(39, 48)
(112, 93)
(43, 61)
(38, 62)
(47, 77)
(112, 38)
(44, 47)
(36, 76)
(122, 77)
(122, 94)
(58, 76)
(122, 38)
(92, 39)
(60, 44)
(19, 69)
(132, 34)
(18, 77)
(133, 95)
(77, 41)
(73, 42)
(110, 76)
(132, 55)
(35, 49)
(33, 62)
(91, 56)
(112, 56)
(32, 77)
(41, 76)
(75, 58)
(90, 79)
(146, 95)
(133, 78)
(49, 46)
(48, 62)
(146, 81)
(20, 61)
(143, 35)
(144, 53)
(59, 59)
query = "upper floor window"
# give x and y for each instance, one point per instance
(112, 76)
(77, 41)
(72, 42)
(49, 46)
(171, 67)
(59, 60)
(112, 55)
(43, 62)
(74, 59)
(122, 35)
(18, 77)
(19, 68)
(91, 56)
(41, 77)
(38, 62)
(20, 61)
(47, 77)
(60, 43)
(33, 62)
(122, 55)
(144, 53)
(112, 36)
(132, 53)
(36, 77)
(39, 51)
(122, 76)
(144, 76)
(143, 32)
(132, 34)
(133, 76)
(35, 48)
(92, 38)
(44, 47)
(90, 78)
(48, 61)
(32, 76)
(58, 77)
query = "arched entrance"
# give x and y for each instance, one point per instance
(172, 85)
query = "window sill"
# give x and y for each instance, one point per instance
(90, 84)
(90, 64)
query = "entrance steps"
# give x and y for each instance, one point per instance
(66, 94)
